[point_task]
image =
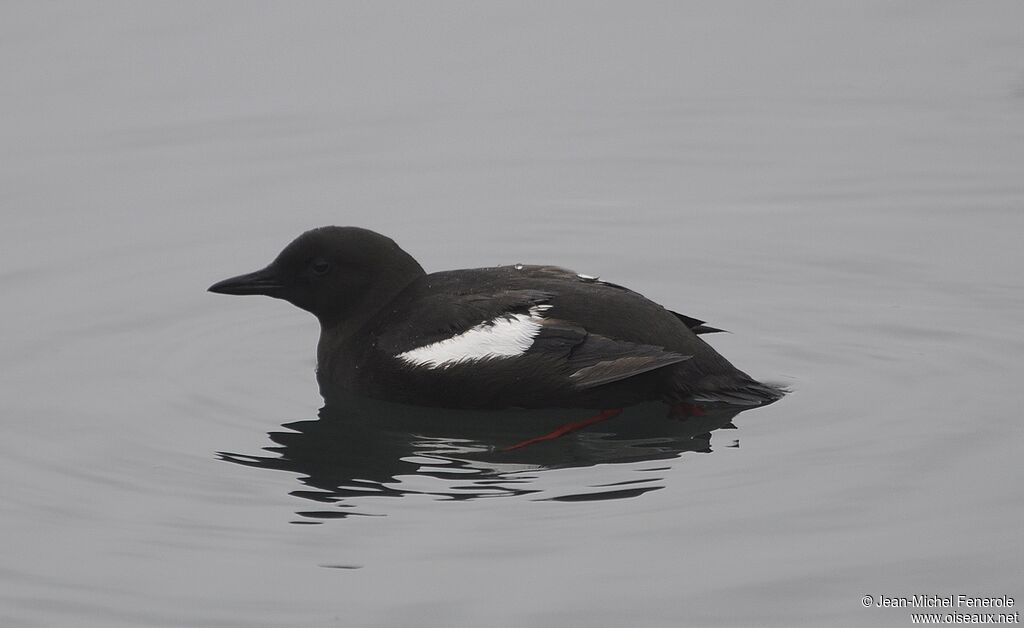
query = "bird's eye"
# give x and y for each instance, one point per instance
(321, 267)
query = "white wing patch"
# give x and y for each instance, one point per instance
(503, 337)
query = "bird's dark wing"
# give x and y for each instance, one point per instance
(592, 360)
(585, 359)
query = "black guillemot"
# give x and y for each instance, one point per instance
(507, 336)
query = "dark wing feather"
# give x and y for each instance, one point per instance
(608, 371)
(593, 360)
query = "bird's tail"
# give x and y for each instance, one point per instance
(746, 392)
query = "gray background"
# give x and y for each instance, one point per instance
(839, 184)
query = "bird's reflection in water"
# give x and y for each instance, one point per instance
(360, 448)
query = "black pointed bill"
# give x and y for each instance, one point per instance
(263, 281)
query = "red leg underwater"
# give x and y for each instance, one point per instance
(562, 430)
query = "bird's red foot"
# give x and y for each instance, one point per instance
(562, 430)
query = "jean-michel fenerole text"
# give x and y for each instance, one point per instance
(944, 601)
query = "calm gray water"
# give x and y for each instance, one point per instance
(841, 185)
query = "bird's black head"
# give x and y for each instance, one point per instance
(331, 272)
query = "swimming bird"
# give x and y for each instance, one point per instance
(506, 336)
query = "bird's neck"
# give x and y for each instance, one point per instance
(343, 332)
(338, 328)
